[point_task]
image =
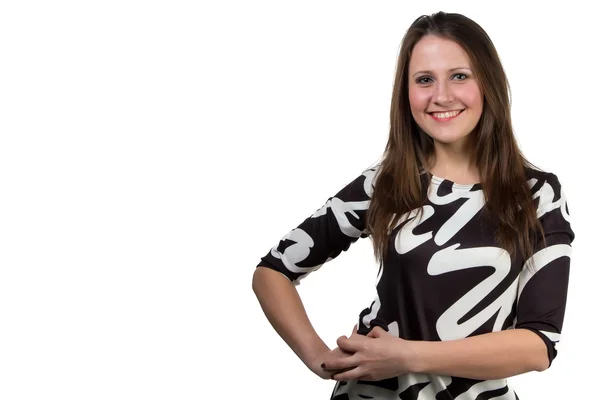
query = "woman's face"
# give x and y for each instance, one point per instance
(445, 99)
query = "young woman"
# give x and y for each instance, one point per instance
(473, 242)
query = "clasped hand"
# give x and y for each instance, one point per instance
(377, 356)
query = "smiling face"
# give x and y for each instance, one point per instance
(445, 98)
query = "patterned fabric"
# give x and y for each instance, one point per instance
(444, 276)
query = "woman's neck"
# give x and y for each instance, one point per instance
(453, 168)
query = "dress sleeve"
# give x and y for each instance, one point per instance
(542, 295)
(330, 230)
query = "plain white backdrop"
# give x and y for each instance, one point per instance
(152, 151)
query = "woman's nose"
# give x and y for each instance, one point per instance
(443, 93)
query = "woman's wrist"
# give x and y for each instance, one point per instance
(313, 352)
(408, 356)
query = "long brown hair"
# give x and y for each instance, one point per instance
(501, 165)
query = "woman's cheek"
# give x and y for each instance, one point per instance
(418, 101)
(471, 96)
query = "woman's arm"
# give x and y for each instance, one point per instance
(496, 355)
(492, 355)
(320, 238)
(283, 308)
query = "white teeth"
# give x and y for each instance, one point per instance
(446, 114)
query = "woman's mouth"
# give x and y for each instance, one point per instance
(445, 116)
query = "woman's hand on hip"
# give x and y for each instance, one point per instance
(377, 356)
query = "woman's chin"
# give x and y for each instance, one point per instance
(449, 137)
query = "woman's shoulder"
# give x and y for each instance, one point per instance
(537, 177)
(546, 189)
(373, 168)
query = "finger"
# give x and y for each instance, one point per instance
(345, 352)
(355, 330)
(334, 371)
(352, 374)
(347, 344)
(340, 363)
(341, 342)
(339, 352)
(376, 332)
(353, 344)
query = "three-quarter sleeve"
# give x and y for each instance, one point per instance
(542, 295)
(330, 230)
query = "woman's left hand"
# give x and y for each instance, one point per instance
(377, 356)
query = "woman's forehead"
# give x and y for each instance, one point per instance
(433, 53)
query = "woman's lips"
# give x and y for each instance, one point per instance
(439, 117)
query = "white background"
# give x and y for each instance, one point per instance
(152, 151)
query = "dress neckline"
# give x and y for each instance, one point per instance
(437, 181)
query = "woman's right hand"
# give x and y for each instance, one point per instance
(329, 355)
(322, 358)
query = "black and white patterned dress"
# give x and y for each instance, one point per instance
(444, 276)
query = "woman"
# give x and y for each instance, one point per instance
(473, 242)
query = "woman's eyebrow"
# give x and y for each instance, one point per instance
(431, 73)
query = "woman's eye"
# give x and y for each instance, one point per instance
(461, 77)
(424, 79)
